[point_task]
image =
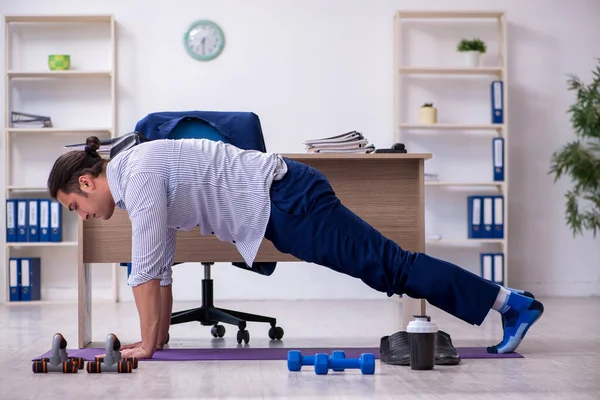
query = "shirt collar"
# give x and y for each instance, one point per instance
(114, 184)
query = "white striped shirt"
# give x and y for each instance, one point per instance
(166, 185)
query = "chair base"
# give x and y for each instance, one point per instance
(208, 314)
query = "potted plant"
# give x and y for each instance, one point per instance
(472, 49)
(428, 114)
(580, 158)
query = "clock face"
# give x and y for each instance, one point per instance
(204, 40)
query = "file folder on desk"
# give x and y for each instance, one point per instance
(11, 220)
(14, 279)
(474, 215)
(30, 279)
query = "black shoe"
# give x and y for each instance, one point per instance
(445, 353)
(394, 349)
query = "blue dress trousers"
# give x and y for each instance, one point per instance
(309, 222)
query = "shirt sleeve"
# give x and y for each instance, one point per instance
(167, 275)
(153, 244)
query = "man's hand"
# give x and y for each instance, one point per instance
(138, 352)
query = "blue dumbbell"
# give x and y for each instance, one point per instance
(296, 360)
(366, 363)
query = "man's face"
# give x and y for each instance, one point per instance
(98, 203)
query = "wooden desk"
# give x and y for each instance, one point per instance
(386, 190)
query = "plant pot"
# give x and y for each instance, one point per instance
(428, 115)
(472, 58)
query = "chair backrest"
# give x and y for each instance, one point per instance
(195, 129)
(241, 129)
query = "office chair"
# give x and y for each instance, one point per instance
(244, 131)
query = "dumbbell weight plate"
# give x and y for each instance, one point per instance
(367, 363)
(338, 355)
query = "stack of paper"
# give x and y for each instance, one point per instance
(350, 142)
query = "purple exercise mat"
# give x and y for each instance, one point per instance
(269, 353)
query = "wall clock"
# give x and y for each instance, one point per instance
(204, 40)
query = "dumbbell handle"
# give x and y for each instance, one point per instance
(344, 363)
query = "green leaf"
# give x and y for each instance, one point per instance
(579, 159)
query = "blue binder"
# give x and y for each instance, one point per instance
(30, 279)
(497, 95)
(498, 267)
(488, 217)
(55, 221)
(474, 216)
(33, 233)
(14, 279)
(487, 266)
(498, 158)
(11, 220)
(498, 221)
(21, 220)
(44, 220)
(492, 267)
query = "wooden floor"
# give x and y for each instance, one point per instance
(561, 352)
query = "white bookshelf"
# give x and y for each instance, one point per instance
(442, 70)
(81, 102)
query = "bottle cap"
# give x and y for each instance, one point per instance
(421, 324)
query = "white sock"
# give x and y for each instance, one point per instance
(500, 303)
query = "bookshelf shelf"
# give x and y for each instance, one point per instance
(29, 148)
(452, 70)
(69, 131)
(22, 189)
(58, 18)
(454, 127)
(59, 74)
(41, 244)
(427, 69)
(40, 302)
(464, 241)
(449, 14)
(465, 184)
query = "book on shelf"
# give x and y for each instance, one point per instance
(349, 142)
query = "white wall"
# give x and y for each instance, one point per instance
(318, 68)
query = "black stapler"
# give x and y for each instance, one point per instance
(396, 148)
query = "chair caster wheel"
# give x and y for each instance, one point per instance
(217, 331)
(243, 335)
(275, 333)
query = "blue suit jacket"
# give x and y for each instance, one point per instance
(241, 129)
